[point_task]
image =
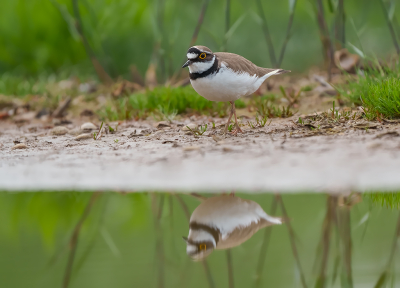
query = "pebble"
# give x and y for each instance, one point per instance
(19, 146)
(192, 126)
(83, 136)
(75, 132)
(191, 148)
(374, 145)
(162, 124)
(59, 130)
(88, 126)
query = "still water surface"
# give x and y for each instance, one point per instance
(135, 240)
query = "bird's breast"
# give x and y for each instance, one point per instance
(226, 85)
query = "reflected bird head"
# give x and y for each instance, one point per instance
(198, 250)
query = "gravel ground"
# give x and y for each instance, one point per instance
(281, 157)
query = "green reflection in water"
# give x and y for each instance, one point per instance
(134, 240)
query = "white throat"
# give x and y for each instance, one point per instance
(200, 67)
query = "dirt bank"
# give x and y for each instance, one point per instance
(283, 156)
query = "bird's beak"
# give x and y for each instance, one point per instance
(187, 63)
(185, 238)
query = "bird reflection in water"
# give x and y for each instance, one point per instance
(223, 222)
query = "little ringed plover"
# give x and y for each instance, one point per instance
(223, 222)
(222, 76)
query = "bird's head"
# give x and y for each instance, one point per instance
(198, 250)
(200, 59)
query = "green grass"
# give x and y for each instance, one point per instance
(389, 199)
(163, 103)
(378, 92)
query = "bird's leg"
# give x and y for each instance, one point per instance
(230, 117)
(237, 130)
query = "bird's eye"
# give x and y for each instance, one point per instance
(202, 55)
(202, 247)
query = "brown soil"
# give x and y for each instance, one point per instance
(318, 155)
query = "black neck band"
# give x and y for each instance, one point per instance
(213, 69)
(213, 231)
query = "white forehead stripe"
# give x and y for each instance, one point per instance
(191, 55)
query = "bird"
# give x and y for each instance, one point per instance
(223, 76)
(223, 222)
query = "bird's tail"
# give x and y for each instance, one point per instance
(282, 71)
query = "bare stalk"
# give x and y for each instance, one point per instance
(195, 35)
(267, 35)
(230, 269)
(390, 26)
(340, 24)
(325, 38)
(227, 24)
(287, 37)
(383, 278)
(157, 212)
(184, 207)
(292, 241)
(208, 274)
(326, 238)
(73, 243)
(264, 247)
(204, 262)
(344, 229)
(103, 76)
(199, 22)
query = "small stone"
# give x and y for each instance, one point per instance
(19, 146)
(192, 126)
(133, 134)
(74, 132)
(227, 149)
(162, 124)
(59, 130)
(158, 133)
(88, 126)
(83, 136)
(191, 148)
(374, 145)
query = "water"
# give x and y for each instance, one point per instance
(135, 240)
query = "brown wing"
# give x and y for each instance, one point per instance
(241, 235)
(238, 63)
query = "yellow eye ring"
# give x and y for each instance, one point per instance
(202, 247)
(202, 55)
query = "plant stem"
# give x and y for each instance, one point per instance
(194, 36)
(292, 241)
(74, 239)
(344, 229)
(390, 26)
(289, 27)
(103, 76)
(264, 247)
(326, 237)
(340, 24)
(325, 38)
(199, 22)
(227, 24)
(267, 35)
(230, 269)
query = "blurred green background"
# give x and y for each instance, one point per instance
(134, 240)
(39, 37)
